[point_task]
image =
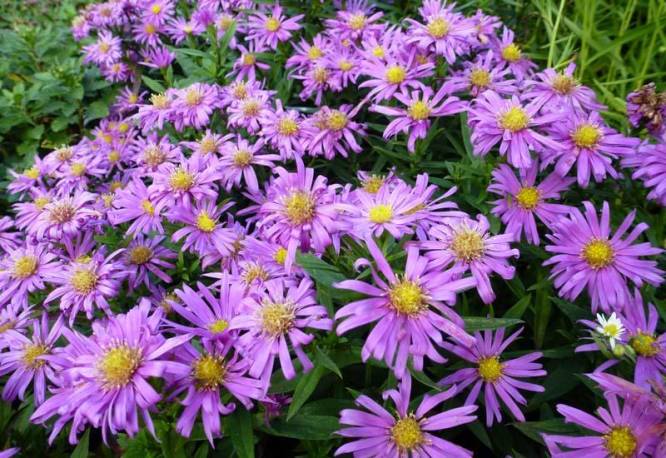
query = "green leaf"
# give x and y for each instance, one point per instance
(572, 311)
(239, 427)
(327, 362)
(152, 84)
(81, 450)
(533, 429)
(478, 323)
(319, 270)
(519, 308)
(96, 110)
(305, 427)
(304, 388)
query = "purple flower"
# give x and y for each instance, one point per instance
(208, 147)
(585, 255)
(375, 431)
(465, 245)
(147, 33)
(332, 132)
(506, 121)
(13, 319)
(26, 360)
(193, 106)
(496, 377)
(238, 159)
(23, 271)
(276, 315)
(157, 57)
(523, 200)
(85, 283)
(625, 431)
(105, 51)
(584, 140)
(420, 106)
(144, 255)
(282, 129)
(10, 240)
(247, 64)
(394, 75)
(560, 91)
(510, 55)
(189, 181)
(201, 374)
(151, 154)
(356, 21)
(104, 377)
(138, 204)
(248, 111)
(272, 29)
(483, 74)
(152, 116)
(649, 160)
(65, 216)
(410, 310)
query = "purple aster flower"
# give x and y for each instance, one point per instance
(157, 11)
(410, 310)
(307, 54)
(420, 106)
(116, 72)
(282, 129)
(446, 33)
(486, 26)
(483, 74)
(157, 57)
(65, 216)
(332, 131)
(151, 154)
(85, 283)
(621, 431)
(152, 115)
(224, 22)
(208, 147)
(432, 210)
(204, 372)
(465, 245)
(239, 90)
(275, 319)
(9, 239)
(272, 29)
(13, 319)
(32, 178)
(238, 159)
(180, 29)
(586, 141)
(316, 80)
(585, 255)
(356, 21)
(147, 33)
(25, 360)
(144, 255)
(104, 377)
(649, 160)
(394, 76)
(248, 112)
(80, 29)
(344, 64)
(203, 233)
(496, 377)
(523, 200)
(79, 174)
(510, 55)
(246, 65)
(23, 271)
(189, 181)
(193, 106)
(138, 204)
(105, 51)
(27, 216)
(375, 431)
(510, 123)
(207, 316)
(560, 91)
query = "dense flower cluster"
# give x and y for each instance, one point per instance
(213, 185)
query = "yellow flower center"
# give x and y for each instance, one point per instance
(41, 202)
(149, 29)
(299, 207)
(239, 91)
(345, 65)
(512, 53)
(598, 253)
(193, 97)
(644, 344)
(407, 434)
(24, 267)
(620, 442)
(528, 197)
(33, 351)
(148, 207)
(373, 184)
(514, 119)
(395, 74)
(320, 75)
(468, 245)
(83, 281)
(249, 59)
(181, 180)
(107, 199)
(407, 297)
(287, 127)
(242, 158)
(251, 108)
(272, 24)
(208, 372)
(280, 256)
(104, 47)
(207, 145)
(419, 111)
(156, 8)
(356, 21)
(226, 21)
(314, 53)
(218, 326)
(78, 169)
(153, 156)
(205, 223)
(380, 214)
(490, 369)
(62, 213)
(118, 365)
(255, 272)
(277, 317)
(32, 173)
(586, 136)
(159, 101)
(336, 120)
(140, 254)
(563, 84)
(113, 156)
(64, 154)
(438, 27)
(479, 78)
(378, 52)
(133, 98)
